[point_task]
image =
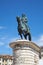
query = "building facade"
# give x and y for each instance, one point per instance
(6, 60)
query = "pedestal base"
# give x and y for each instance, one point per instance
(25, 53)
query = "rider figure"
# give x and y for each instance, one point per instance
(24, 21)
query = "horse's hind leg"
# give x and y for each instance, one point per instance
(29, 37)
(25, 36)
(21, 37)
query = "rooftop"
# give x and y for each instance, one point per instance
(6, 56)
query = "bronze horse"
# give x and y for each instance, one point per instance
(24, 32)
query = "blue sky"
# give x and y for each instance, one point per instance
(9, 9)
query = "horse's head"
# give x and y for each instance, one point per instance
(18, 19)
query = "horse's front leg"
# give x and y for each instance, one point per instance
(19, 30)
(24, 34)
(21, 36)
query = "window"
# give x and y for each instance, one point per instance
(5, 64)
(9, 60)
(6, 60)
(3, 60)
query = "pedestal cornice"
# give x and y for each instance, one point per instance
(25, 43)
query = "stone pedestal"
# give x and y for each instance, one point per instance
(25, 52)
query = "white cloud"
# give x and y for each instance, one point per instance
(41, 38)
(2, 27)
(3, 38)
(1, 43)
(40, 62)
(14, 39)
(11, 40)
(7, 46)
(38, 40)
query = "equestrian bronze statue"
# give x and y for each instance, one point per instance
(23, 28)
